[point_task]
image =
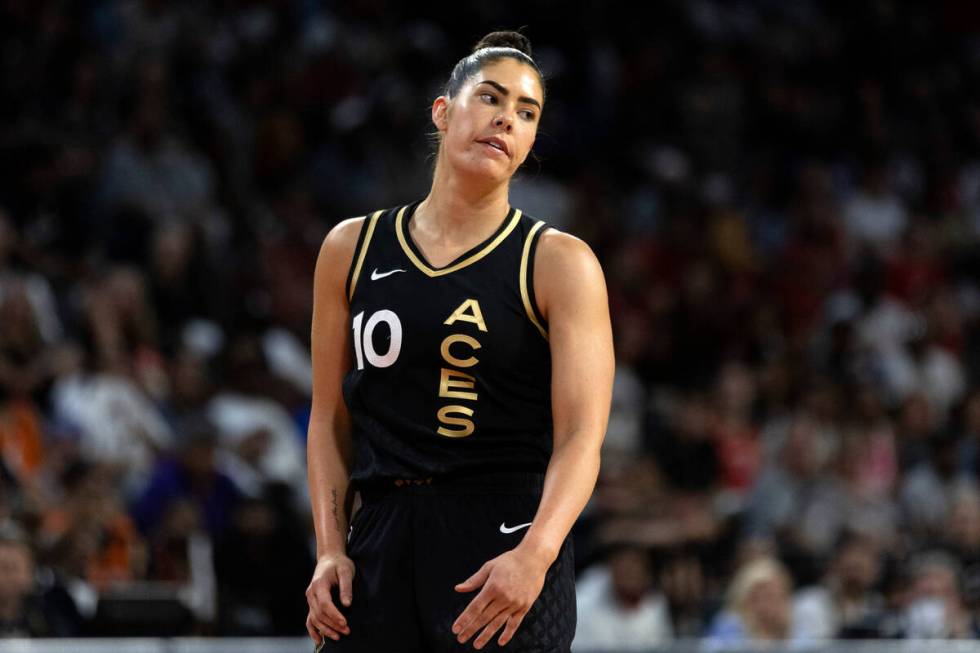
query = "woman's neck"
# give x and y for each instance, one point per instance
(456, 208)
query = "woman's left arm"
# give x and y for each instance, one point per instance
(571, 294)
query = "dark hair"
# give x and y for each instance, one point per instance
(490, 49)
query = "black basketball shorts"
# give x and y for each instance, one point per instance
(412, 543)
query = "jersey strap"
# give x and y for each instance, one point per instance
(527, 277)
(360, 250)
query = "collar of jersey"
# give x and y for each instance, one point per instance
(472, 256)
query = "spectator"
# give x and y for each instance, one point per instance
(182, 555)
(71, 599)
(875, 215)
(794, 500)
(968, 455)
(618, 605)
(26, 372)
(21, 614)
(150, 168)
(258, 433)
(684, 451)
(624, 436)
(863, 509)
(191, 479)
(683, 582)
(758, 608)
(92, 504)
(130, 441)
(936, 608)
(736, 436)
(928, 487)
(845, 604)
(962, 538)
(915, 428)
(178, 261)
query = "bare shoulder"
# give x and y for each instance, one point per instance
(561, 254)
(337, 252)
(565, 268)
(342, 237)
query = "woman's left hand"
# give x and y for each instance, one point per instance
(511, 583)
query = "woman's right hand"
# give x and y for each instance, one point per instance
(332, 570)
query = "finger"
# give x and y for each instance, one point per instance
(311, 629)
(325, 611)
(345, 577)
(491, 628)
(512, 623)
(475, 607)
(475, 581)
(477, 621)
(324, 630)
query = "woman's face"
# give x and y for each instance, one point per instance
(768, 605)
(503, 101)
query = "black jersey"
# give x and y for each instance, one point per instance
(451, 366)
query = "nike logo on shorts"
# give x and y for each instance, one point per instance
(505, 529)
(381, 275)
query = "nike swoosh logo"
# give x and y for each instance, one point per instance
(510, 529)
(381, 275)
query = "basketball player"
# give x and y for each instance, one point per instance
(463, 367)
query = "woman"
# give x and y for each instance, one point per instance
(759, 610)
(462, 378)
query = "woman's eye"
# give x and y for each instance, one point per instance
(489, 95)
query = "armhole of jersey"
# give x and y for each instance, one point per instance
(360, 251)
(527, 278)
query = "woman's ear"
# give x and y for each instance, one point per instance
(440, 113)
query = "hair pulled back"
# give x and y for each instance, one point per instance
(490, 49)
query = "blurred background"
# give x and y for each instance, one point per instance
(785, 196)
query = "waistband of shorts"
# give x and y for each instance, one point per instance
(469, 483)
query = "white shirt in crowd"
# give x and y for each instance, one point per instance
(605, 624)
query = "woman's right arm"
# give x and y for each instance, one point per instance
(329, 450)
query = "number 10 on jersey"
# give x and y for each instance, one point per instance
(364, 343)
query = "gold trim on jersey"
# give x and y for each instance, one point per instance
(421, 265)
(524, 294)
(372, 222)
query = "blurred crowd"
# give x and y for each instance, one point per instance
(786, 200)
